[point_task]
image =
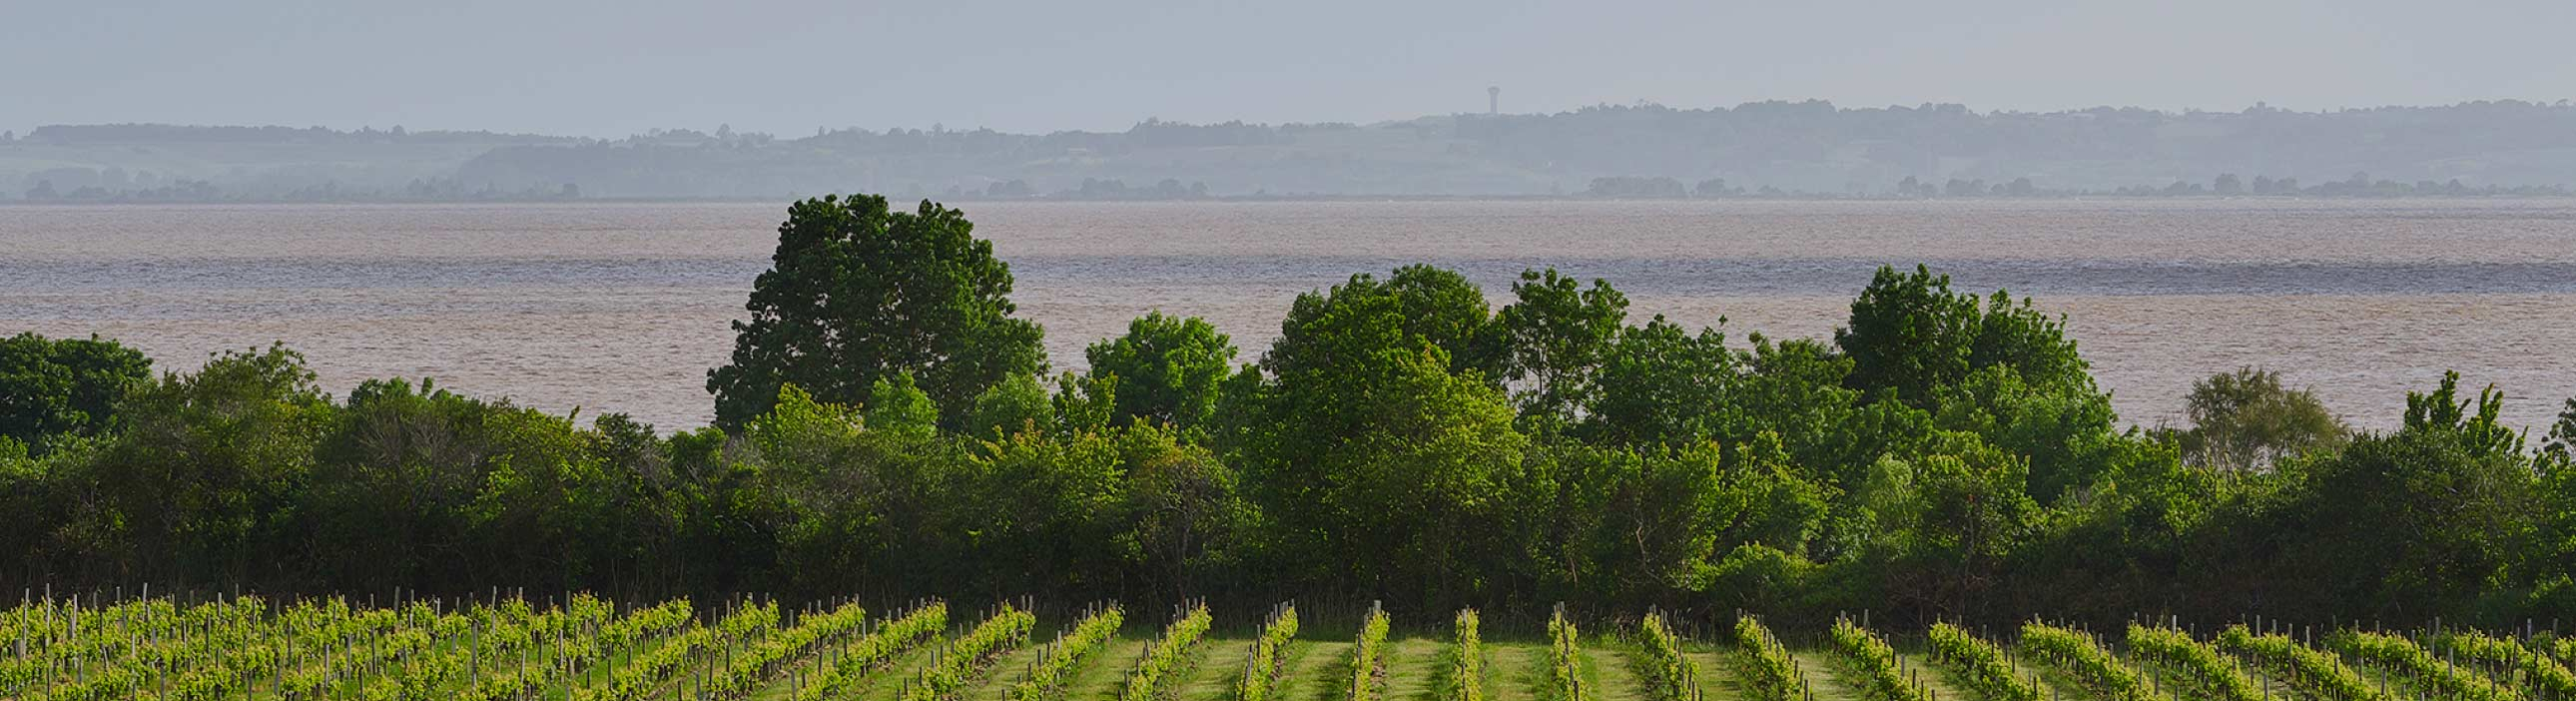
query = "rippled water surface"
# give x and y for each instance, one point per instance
(623, 307)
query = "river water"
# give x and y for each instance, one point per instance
(623, 307)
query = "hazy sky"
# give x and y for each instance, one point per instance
(614, 67)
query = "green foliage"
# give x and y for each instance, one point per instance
(2082, 656)
(1755, 576)
(1769, 673)
(2060, 430)
(1368, 659)
(858, 293)
(746, 671)
(1014, 405)
(2245, 420)
(1168, 369)
(966, 657)
(2417, 665)
(1265, 666)
(2462, 508)
(69, 386)
(203, 477)
(897, 405)
(2480, 433)
(1946, 457)
(1667, 674)
(1371, 441)
(1978, 665)
(1659, 384)
(1358, 322)
(1948, 513)
(1564, 660)
(1167, 658)
(2195, 666)
(875, 652)
(2560, 442)
(1882, 675)
(2315, 674)
(1045, 679)
(2534, 674)
(1909, 334)
(1552, 339)
(1463, 676)
(1085, 403)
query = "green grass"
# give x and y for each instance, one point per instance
(1607, 675)
(1509, 668)
(1922, 667)
(1824, 677)
(2054, 682)
(1100, 678)
(1412, 667)
(1321, 671)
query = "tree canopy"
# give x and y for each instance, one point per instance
(1946, 456)
(64, 386)
(858, 293)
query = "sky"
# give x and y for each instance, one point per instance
(616, 67)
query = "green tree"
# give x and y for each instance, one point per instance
(66, 386)
(392, 482)
(857, 293)
(2059, 430)
(1909, 334)
(2555, 558)
(1950, 514)
(1417, 305)
(1660, 384)
(1185, 516)
(897, 405)
(2482, 433)
(1016, 404)
(1379, 450)
(203, 480)
(2403, 525)
(1167, 369)
(2245, 420)
(1553, 336)
(2560, 442)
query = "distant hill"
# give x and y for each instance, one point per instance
(1809, 147)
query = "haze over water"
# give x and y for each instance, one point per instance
(623, 307)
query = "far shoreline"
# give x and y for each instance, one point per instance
(1293, 199)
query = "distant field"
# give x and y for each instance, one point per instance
(592, 650)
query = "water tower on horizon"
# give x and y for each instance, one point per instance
(1493, 99)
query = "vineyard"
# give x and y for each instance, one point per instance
(582, 648)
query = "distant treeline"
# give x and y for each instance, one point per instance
(1810, 148)
(200, 191)
(884, 427)
(69, 134)
(2225, 185)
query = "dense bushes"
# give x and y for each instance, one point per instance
(1404, 439)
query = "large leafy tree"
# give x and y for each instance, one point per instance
(858, 293)
(204, 479)
(65, 386)
(2246, 420)
(1553, 337)
(1909, 334)
(1660, 384)
(1417, 305)
(1380, 450)
(1167, 369)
